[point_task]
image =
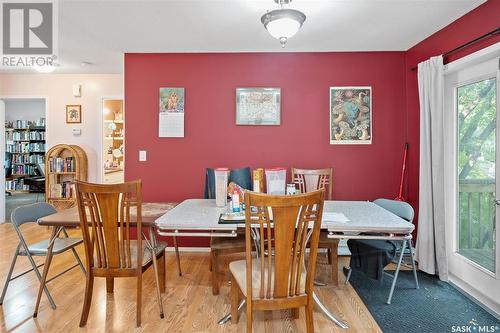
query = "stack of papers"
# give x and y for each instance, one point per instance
(335, 217)
(229, 216)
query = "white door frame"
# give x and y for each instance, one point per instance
(100, 122)
(458, 278)
(2, 141)
(2, 164)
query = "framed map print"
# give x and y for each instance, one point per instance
(258, 106)
(350, 115)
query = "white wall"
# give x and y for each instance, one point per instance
(57, 88)
(24, 109)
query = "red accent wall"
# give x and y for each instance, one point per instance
(175, 168)
(480, 21)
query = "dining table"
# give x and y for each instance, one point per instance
(341, 219)
(202, 218)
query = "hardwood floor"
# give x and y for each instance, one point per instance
(188, 301)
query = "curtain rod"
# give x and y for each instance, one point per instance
(472, 42)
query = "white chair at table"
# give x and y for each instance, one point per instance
(404, 211)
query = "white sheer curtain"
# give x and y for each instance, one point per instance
(431, 242)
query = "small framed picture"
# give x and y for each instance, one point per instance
(258, 106)
(73, 114)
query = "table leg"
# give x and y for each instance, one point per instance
(327, 313)
(48, 259)
(227, 317)
(161, 267)
(333, 258)
(177, 256)
(322, 307)
(152, 244)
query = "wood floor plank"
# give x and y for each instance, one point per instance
(188, 301)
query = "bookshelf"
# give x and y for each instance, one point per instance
(25, 151)
(64, 164)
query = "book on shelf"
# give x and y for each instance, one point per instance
(16, 185)
(64, 190)
(25, 124)
(26, 136)
(25, 147)
(28, 159)
(59, 164)
(23, 169)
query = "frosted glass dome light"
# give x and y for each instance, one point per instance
(283, 23)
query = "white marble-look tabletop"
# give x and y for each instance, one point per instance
(363, 216)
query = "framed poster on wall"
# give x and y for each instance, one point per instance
(350, 115)
(171, 117)
(258, 106)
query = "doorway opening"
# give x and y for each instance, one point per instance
(113, 144)
(25, 145)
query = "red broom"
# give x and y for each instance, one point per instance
(400, 195)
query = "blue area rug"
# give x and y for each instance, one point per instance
(434, 308)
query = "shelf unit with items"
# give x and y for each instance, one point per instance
(25, 155)
(64, 164)
(113, 141)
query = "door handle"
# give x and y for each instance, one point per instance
(497, 202)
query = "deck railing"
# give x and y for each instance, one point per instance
(477, 214)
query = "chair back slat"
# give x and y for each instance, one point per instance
(308, 180)
(287, 224)
(105, 222)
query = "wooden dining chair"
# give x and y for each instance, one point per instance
(310, 180)
(282, 226)
(109, 248)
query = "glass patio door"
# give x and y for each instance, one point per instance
(471, 103)
(476, 112)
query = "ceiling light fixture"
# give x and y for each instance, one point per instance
(283, 23)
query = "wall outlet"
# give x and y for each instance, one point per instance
(142, 155)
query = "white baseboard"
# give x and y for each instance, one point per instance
(343, 249)
(188, 249)
(477, 297)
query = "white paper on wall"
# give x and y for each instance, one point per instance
(171, 125)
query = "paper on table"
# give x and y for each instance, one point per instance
(335, 217)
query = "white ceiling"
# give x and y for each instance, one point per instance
(101, 31)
